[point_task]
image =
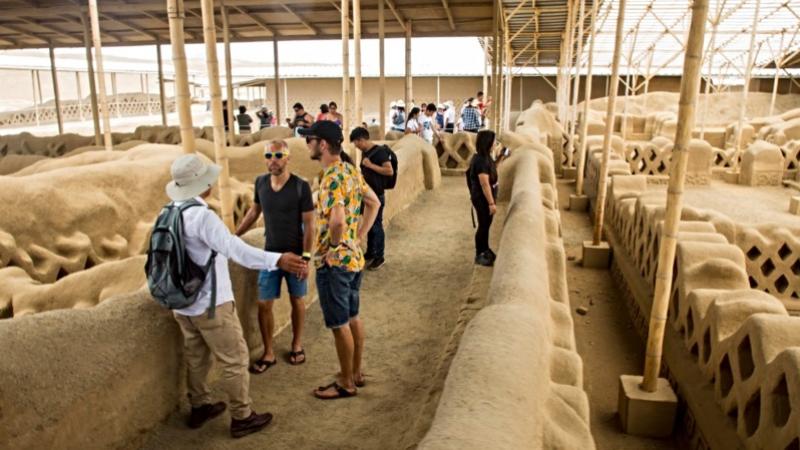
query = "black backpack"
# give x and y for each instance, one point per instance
(391, 182)
(173, 278)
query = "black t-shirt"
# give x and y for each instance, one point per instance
(379, 156)
(283, 213)
(478, 165)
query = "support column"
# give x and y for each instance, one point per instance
(595, 252)
(486, 66)
(147, 94)
(571, 12)
(183, 99)
(114, 96)
(579, 202)
(35, 100)
(778, 64)
(438, 90)
(494, 112)
(220, 152)
(647, 76)
(382, 81)
(80, 94)
(276, 68)
(628, 84)
(500, 52)
(226, 37)
(357, 43)
(56, 96)
(575, 88)
(746, 90)
(409, 95)
(345, 66)
(101, 76)
(161, 95)
(87, 40)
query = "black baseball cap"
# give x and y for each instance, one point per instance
(325, 130)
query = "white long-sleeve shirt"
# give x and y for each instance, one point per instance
(203, 231)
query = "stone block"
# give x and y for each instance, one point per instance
(794, 205)
(580, 203)
(569, 173)
(596, 256)
(762, 165)
(650, 414)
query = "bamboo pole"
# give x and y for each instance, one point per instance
(567, 65)
(576, 88)
(35, 101)
(345, 65)
(161, 94)
(147, 94)
(382, 57)
(777, 72)
(114, 96)
(710, 56)
(600, 205)
(628, 91)
(501, 53)
(226, 37)
(586, 98)
(220, 152)
(357, 100)
(286, 96)
(690, 84)
(183, 99)
(87, 40)
(495, 85)
(746, 90)
(438, 90)
(409, 97)
(485, 66)
(101, 76)
(80, 94)
(276, 69)
(56, 96)
(647, 76)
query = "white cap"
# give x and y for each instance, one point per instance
(400, 104)
(191, 177)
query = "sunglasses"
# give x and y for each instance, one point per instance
(276, 155)
(311, 138)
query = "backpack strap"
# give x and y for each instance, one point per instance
(212, 266)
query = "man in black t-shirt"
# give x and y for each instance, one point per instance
(288, 209)
(376, 167)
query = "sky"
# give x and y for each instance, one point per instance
(430, 56)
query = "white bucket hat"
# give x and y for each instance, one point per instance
(191, 177)
(392, 104)
(401, 104)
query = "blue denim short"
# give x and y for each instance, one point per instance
(269, 284)
(338, 295)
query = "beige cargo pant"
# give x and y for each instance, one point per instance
(222, 337)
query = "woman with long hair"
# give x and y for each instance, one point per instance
(482, 182)
(412, 123)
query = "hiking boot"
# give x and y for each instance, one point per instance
(484, 260)
(256, 422)
(376, 264)
(204, 413)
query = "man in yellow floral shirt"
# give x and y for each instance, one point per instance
(341, 225)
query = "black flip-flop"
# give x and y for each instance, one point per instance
(340, 391)
(294, 355)
(261, 366)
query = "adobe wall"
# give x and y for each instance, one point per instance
(98, 377)
(517, 379)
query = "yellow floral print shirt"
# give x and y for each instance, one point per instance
(340, 184)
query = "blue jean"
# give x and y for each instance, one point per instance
(376, 237)
(338, 292)
(269, 284)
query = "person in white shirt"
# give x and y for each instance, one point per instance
(449, 117)
(219, 334)
(412, 124)
(428, 123)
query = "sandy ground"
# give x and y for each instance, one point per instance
(606, 339)
(410, 309)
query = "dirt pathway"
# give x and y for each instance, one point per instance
(607, 341)
(409, 309)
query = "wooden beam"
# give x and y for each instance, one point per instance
(183, 98)
(101, 76)
(446, 7)
(52, 29)
(257, 21)
(397, 15)
(25, 33)
(333, 3)
(230, 111)
(87, 38)
(276, 71)
(357, 98)
(586, 99)
(56, 96)
(345, 66)
(161, 95)
(300, 19)
(382, 76)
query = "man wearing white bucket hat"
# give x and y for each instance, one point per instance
(218, 333)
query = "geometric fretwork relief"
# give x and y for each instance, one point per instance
(455, 149)
(773, 261)
(791, 155)
(125, 105)
(647, 158)
(742, 339)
